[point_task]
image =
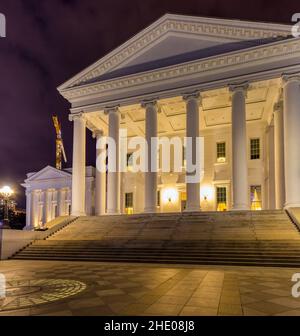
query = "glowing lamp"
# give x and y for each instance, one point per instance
(6, 191)
(170, 195)
(206, 193)
(221, 160)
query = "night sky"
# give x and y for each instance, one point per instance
(49, 41)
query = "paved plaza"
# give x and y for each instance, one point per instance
(84, 288)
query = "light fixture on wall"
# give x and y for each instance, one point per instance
(221, 160)
(206, 193)
(170, 195)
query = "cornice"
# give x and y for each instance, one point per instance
(190, 69)
(213, 28)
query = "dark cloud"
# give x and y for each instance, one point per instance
(50, 41)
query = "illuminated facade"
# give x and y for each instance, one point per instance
(233, 83)
(48, 195)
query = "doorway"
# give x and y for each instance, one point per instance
(221, 198)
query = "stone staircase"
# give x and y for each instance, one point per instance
(229, 238)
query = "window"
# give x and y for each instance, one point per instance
(129, 203)
(221, 199)
(158, 198)
(221, 152)
(254, 149)
(255, 197)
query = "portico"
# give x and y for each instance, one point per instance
(226, 82)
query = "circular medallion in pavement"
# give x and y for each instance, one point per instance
(20, 294)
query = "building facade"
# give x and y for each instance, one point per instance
(235, 84)
(49, 195)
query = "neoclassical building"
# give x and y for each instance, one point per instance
(233, 83)
(48, 195)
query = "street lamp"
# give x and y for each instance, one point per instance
(6, 193)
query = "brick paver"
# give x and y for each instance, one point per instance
(139, 289)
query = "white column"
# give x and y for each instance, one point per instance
(79, 163)
(35, 209)
(113, 177)
(270, 168)
(48, 210)
(29, 209)
(291, 94)
(100, 181)
(239, 147)
(279, 155)
(68, 201)
(193, 101)
(44, 215)
(151, 140)
(61, 202)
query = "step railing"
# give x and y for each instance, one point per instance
(48, 233)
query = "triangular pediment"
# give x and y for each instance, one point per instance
(174, 39)
(48, 173)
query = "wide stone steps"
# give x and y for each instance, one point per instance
(271, 262)
(266, 253)
(241, 225)
(266, 238)
(163, 252)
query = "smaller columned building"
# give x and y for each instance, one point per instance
(49, 194)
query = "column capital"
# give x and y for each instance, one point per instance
(238, 87)
(98, 134)
(79, 115)
(287, 78)
(112, 109)
(150, 103)
(278, 107)
(192, 95)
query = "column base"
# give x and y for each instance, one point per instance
(192, 209)
(28, 228)
(113, 212)
(240, 207)
(100, 214)
(150, 210)
(292, 205)
(78, 214)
